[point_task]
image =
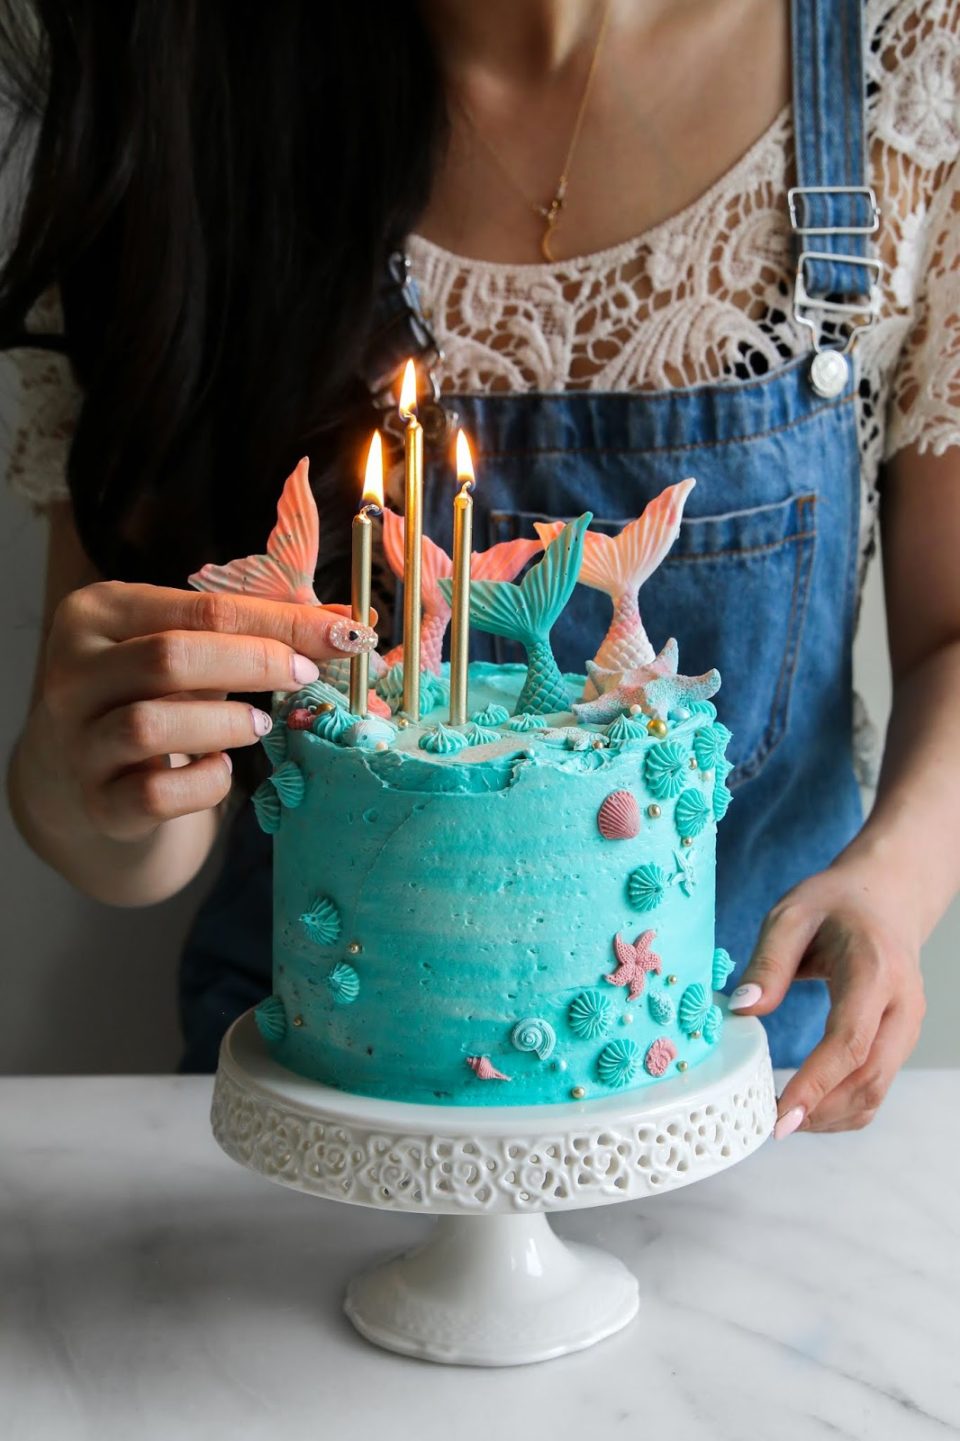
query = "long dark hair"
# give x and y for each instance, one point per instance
(215, 186)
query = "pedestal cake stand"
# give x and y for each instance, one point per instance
(493, 1285)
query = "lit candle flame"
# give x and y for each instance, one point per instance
(373, 479)
(408, 392)
(465, 474)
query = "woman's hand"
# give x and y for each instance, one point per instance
(132, 714)
(846, 926)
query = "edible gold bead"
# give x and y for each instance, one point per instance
(694, 1035)
(671, 980)
(598, 743)
(654, 812)
(657, 728)
(681, 1065)
(298, 1020)
(354, 948)
(402, 722)
(693, 763)
(578, 1093)
(686, 840)
(324, 706)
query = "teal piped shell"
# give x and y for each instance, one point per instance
(709, 745)
(442, 741)
(275, 744)
(478, 735)
(665, 769)
(694, 1008)
(330, 725)
(722, 966)
(369, 733)
(618, 1062)
(271, 1019)
(534, 1035)
(322, 922)
(493, 715)
(646, 887)
(289, 784)
(526, 721)
(722, 794)
(590, 1015)
(661, 1008)
(692, 812)
(344, 984)
(266, 804)
(390, 687)
(317, 692)
(713, 1024)
(703, 707)
(626, 728)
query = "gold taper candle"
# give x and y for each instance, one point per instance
(413, 541)
(460, 599)
(361, 537)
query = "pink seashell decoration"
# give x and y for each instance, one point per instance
(300, 719)
(485, 1070)
(618, 819)
(659, 1055)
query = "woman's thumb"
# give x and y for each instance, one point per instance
(784, 938)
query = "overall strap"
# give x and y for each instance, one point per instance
(833, 210)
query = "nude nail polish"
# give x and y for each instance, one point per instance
(744, 996)
(787, 1124)
(262, 723)
(304, 670)
(228, 761)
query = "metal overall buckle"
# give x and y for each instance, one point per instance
(830, 368)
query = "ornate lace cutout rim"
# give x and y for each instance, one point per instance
(611, 254)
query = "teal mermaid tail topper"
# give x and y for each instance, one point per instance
(526, 612)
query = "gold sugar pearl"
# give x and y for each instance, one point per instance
(325, 706)
(354, 948)
(598, 743)
(686, 840)
(693, 763)
(578, 1093)
(694, 1035)
(657, 728)
(298, 1020)
(402, 722)
(681, 1065)
(671, 980)
(654, 812)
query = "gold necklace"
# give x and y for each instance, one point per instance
(552, 211)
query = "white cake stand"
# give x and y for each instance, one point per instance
(494, 1285)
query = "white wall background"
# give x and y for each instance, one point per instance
(87, 989)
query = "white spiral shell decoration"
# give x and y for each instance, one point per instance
(534, 1035)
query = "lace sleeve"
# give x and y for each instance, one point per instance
(42, 400)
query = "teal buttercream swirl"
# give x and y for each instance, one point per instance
(344, 984)
(722, 966)
(665, 769)
(322, 922)
(694, 1008)
(317, 692)
(646, 887)
(692, 812)
(590, 1015)
(442, 741)
(266, 805)
(709, 744)
(618, 1062)
(722, 794)
(330, 725)
(491, 715)
(661, 1008)
(534, 1035)
(271, 1019)
(712, 1025)
(526, 721)
(370, 734)
(275, 744)
(478, 735)
(626, 728)
(703, 707)
(289, 783)
(390, 687)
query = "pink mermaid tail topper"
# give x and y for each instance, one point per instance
(502, 561)
(619, 565)
(286, 571)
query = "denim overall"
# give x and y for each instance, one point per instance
(761, 582)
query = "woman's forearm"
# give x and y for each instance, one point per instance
(48, 811)
(913, 832)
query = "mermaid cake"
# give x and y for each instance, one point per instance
(519, 910)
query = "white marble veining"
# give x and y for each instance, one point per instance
(150, 1290)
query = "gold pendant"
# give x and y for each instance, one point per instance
(551, 214)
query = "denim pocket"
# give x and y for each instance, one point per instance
(734, 591)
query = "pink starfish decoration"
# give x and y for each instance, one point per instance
(656, 688)
(634, 963)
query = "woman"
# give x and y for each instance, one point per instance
(218, 193)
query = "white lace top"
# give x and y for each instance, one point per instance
(705, 294)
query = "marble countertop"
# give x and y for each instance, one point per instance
(151, 1290)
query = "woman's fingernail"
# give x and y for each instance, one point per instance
(788, 1124)
(262, 723)
(352, 637)
(228, 761)
(745, 996)
(304, 669)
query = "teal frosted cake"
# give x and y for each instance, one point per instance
(514, 911)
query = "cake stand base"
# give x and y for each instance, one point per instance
(493, 1285)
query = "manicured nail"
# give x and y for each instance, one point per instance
(745, 996)
(304, 669)
(262, 723)
(788, 1124)
(352, 637)
(228, 761)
